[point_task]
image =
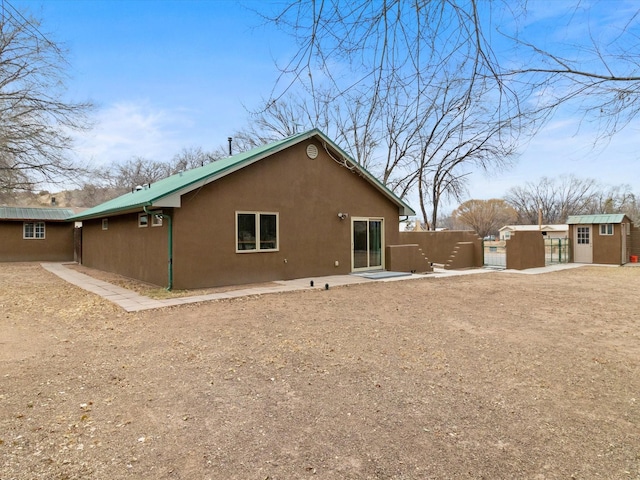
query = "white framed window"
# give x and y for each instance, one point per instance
(143, 220)
(105, 224)
(33, 230)
(583, 235)
(257, 232)
(606, 229)
(156, 219)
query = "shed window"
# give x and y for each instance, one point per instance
(33, 230)
(256, 231)
(583, 236)
(606, 229)
(105, 224)
(143, 220)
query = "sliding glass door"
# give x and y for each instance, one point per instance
(367, 241)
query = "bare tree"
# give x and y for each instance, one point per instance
(384, 63)
(413, 88)
(485, 216)
(556, 199)
(138, 171)
(617, 199)
(597, 73)
(35, 118)
(189, 158)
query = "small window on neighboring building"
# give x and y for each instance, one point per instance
(105, 224)
(33, 230)
(606, 229)
(143, 220)
(156, 219)
(256, 232)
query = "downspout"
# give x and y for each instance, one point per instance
(169, 242)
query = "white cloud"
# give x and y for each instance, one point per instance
(127, 129)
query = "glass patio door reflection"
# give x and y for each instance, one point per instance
(367, 235)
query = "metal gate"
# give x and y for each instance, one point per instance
(556, 250)
(495, 254)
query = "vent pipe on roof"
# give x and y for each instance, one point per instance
(229, 140)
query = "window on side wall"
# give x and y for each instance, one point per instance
(33, 230)
(606, 229)
(105, 224)
(143, 220)
(256, 232)
(156, 219)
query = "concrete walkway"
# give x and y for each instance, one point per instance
(134, 302)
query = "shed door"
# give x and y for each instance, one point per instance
(583, 244)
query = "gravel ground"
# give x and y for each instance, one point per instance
(495, 376)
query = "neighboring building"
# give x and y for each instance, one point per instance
(601, 238)
(299, 207)
(36, 234)
(548, 231)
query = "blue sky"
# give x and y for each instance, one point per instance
(168, 75)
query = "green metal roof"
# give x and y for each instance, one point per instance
(594, 219)
(31, 213)
(163, 192)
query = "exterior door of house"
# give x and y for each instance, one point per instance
(367, 244)
(583, 244)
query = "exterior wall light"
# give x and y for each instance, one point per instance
(342, 216)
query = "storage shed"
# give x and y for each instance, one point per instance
(602, 238)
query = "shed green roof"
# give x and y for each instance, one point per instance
(166, 192)
(34, 213)
(595, 219)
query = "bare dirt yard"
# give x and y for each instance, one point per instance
(494, 376)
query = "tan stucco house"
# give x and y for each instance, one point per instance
(36, 234)
(296, 208)
(604, 238)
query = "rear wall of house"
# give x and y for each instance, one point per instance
(126, 249)
(306, 194)
(57, 246)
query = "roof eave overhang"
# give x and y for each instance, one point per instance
(173, 199)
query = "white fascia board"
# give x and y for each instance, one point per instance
(170, 201)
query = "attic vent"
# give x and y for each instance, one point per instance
(312, 151)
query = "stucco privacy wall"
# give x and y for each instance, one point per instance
(439, 246)
(525, 250)
(57, 246)
(306, 194)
